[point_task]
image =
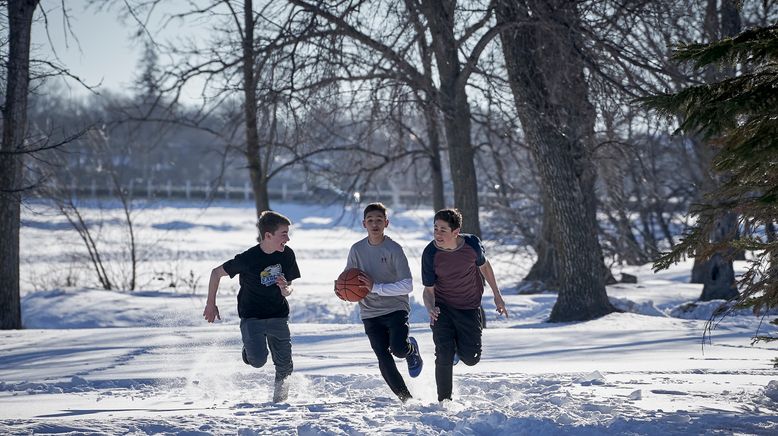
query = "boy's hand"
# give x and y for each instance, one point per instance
(365, 282)
(211, 313)
(335, 289)
(500, 306)
(434, 313)
(286, 289)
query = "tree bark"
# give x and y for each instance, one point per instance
(20, 13)
(257, 176)
(436, 170)
(717, 273)
(456, 110)
(558, 121)
(545, 268)
(770, 232)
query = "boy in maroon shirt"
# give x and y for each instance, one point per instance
(452, 267)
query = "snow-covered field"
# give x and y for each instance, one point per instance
(101, 362)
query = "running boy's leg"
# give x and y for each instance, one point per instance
(254, 341)
(444, 336)
(468, 336)
(280, 342)
(397, 323)
(377, 331)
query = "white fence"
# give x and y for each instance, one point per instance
(190, 190)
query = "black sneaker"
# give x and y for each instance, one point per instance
(415, 363)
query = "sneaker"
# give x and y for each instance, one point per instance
(245, 357)
(414, 358)
(281, 391)
(456, 358)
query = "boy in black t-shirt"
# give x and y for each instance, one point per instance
(266, 273)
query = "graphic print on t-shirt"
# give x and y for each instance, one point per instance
(269, 275)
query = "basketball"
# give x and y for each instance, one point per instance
(347, 286)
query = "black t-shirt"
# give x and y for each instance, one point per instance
(259, 296)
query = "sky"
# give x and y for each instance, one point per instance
(100, 46)
(100, 50)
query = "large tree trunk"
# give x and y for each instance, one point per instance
(258, 178)
(20, 14)
(436, 169)
(545, 268)
(717, 273)
(558, 121)
(770, 232)
(456, 110)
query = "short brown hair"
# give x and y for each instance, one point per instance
(270, 221)
(451, 216)
(374, 207)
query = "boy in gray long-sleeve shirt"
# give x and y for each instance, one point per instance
(384, 310)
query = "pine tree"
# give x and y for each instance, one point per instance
(739, 117)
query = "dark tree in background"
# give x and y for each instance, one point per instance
(716, 272)
(20, 13)
(738, 116)
(558, 121)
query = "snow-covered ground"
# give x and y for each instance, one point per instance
(107, 362)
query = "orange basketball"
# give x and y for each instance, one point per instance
(347, 286)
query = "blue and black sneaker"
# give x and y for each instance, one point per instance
(414, 358)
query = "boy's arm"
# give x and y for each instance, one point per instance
(429, 303)
(402, 287)
(488, 273)
(211, 312)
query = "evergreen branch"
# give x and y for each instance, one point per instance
(755, 45)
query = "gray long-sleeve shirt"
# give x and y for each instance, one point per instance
(387, 265)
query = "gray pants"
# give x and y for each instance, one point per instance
(259, 334)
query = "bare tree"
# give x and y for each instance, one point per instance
(558, 120)
(245, 61)
(458, 37)
(14, 110)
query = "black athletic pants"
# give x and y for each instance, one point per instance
(388, 336)
(455, 331)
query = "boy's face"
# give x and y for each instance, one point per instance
(375, 222)
(277, 240)
(443, 234)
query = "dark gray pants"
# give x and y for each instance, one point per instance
(259, 334)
